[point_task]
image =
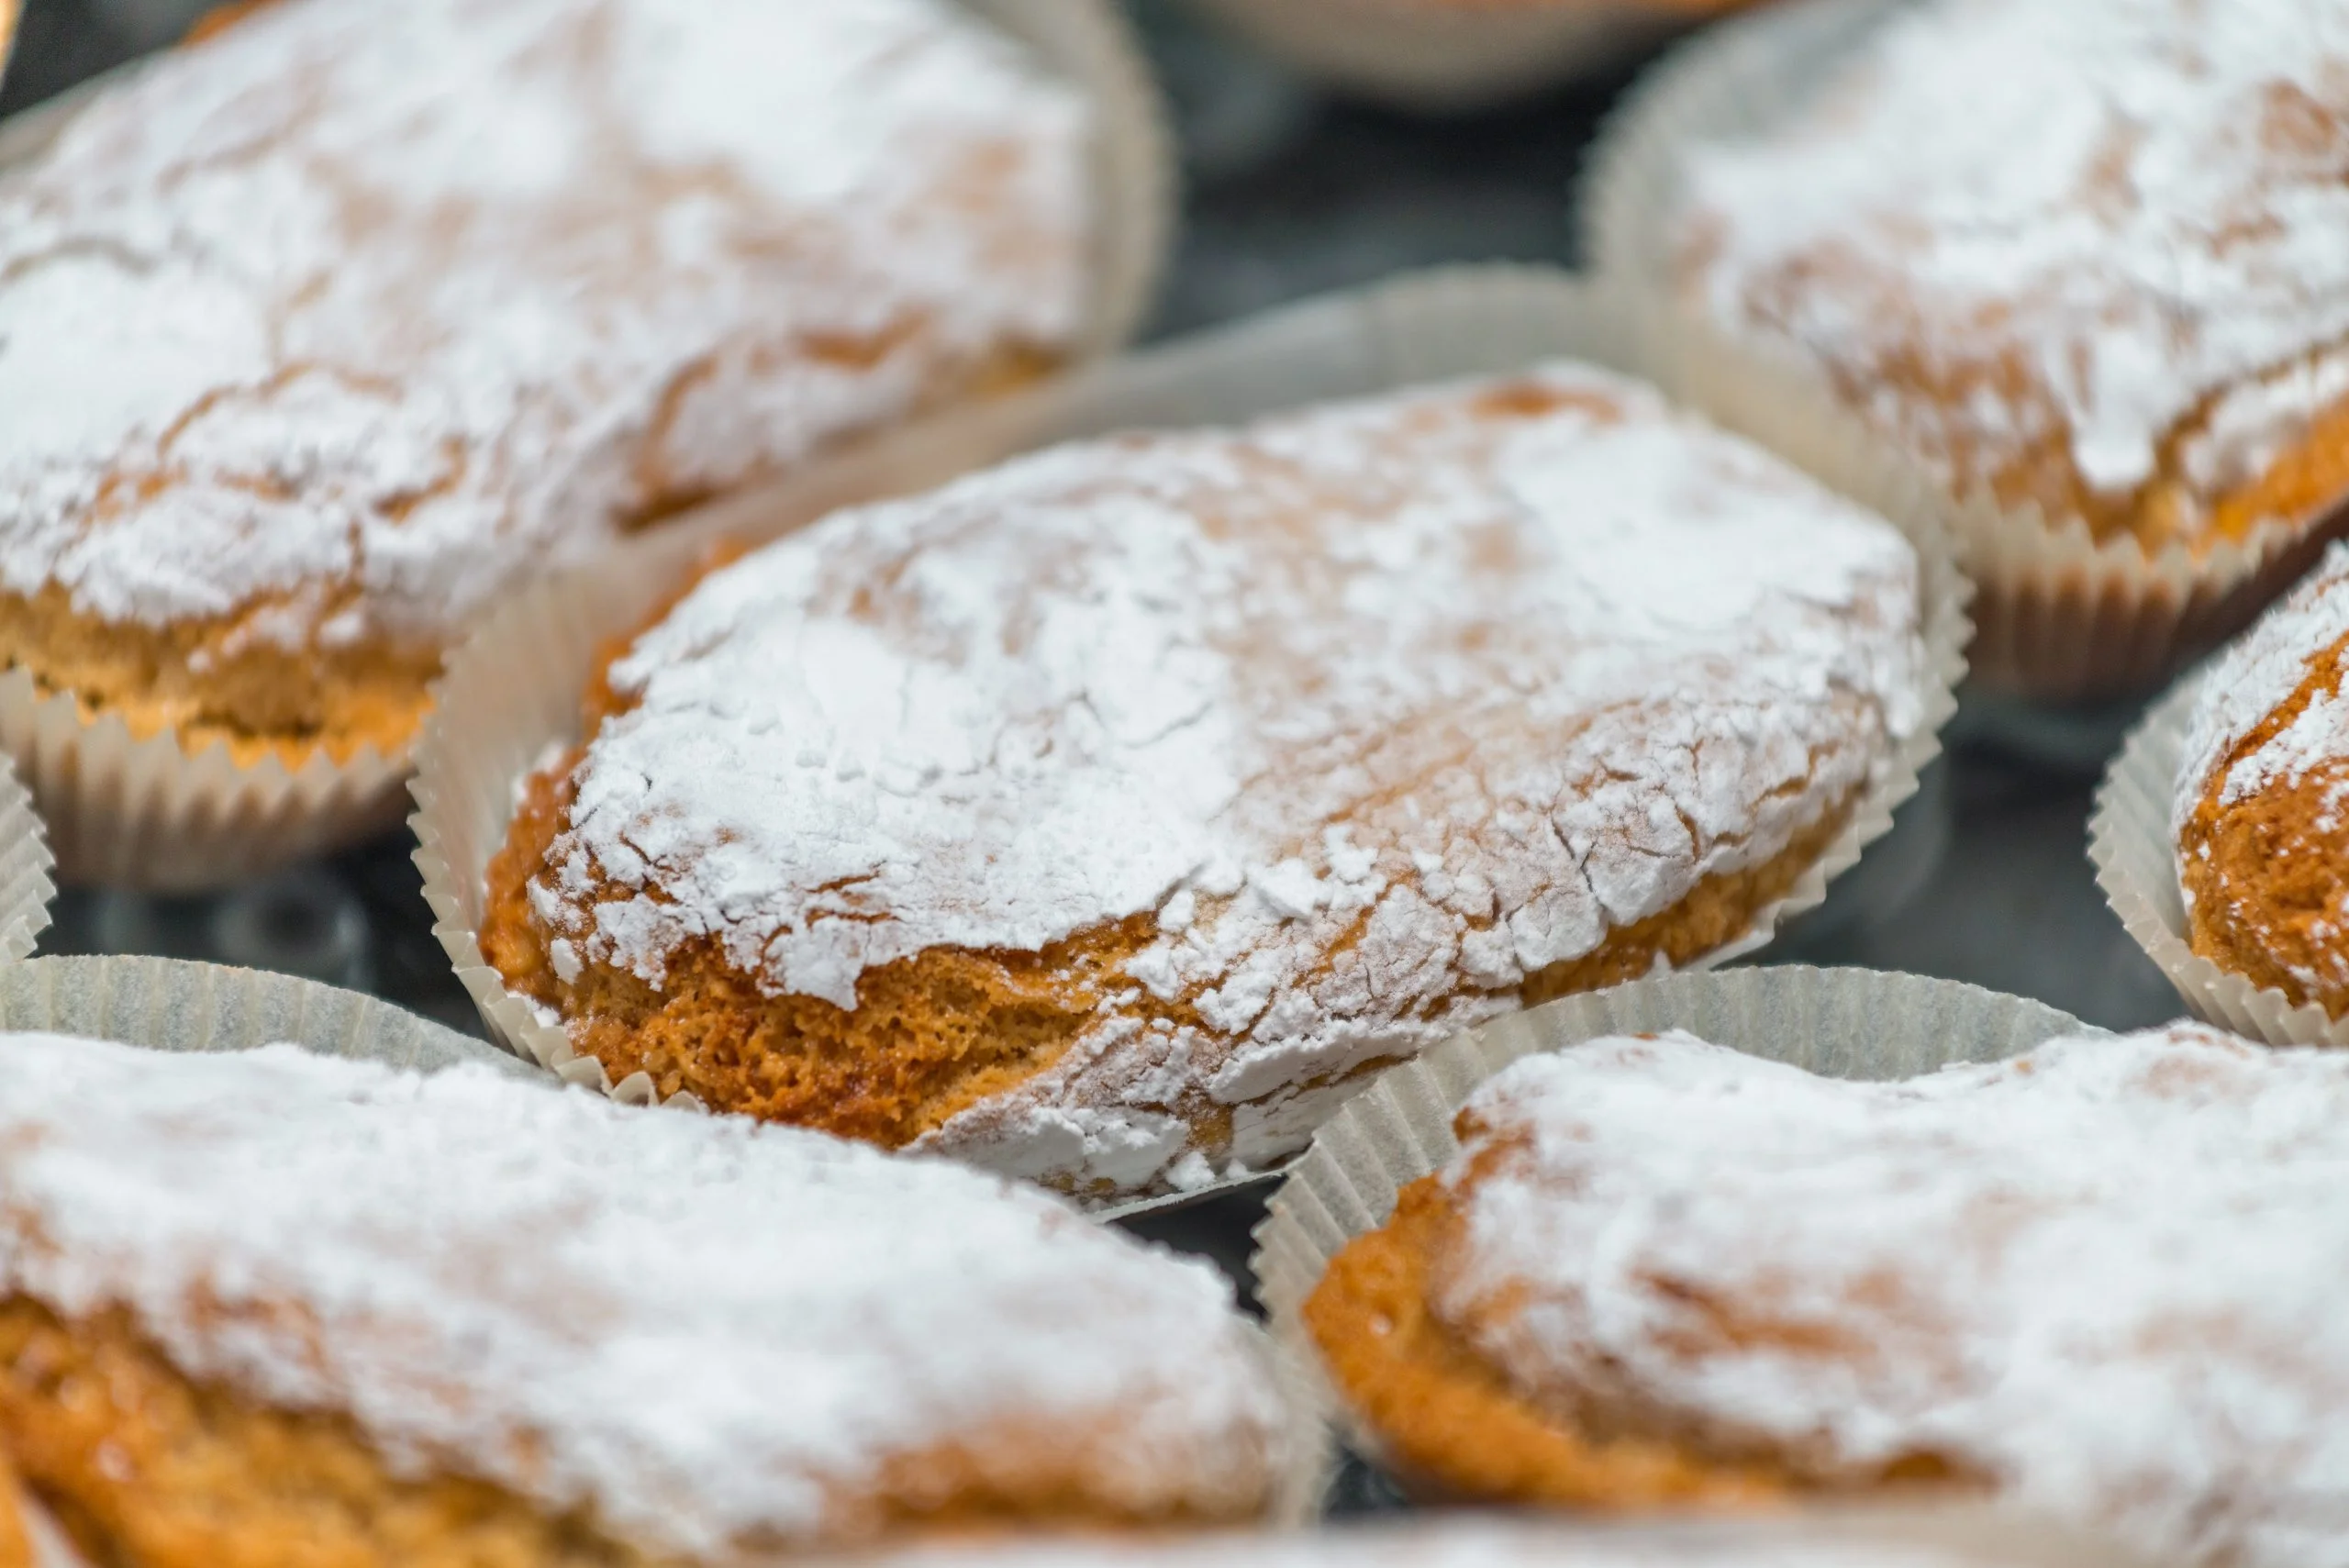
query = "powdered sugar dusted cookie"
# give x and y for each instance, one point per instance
(321, 332)
(1104, 816)
(2092, 257)
(2095, 1280)
(272, 1307)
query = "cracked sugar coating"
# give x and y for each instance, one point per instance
(2102, 1277)
(319, 333)
(2092, 255)
(2262, 815)
(708, 1332)
(1291, 749)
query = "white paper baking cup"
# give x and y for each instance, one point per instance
(1845, 1023)
(2059, 617)
(2135, 854)
(513, 690)
(1453, 54)
(166, 812)
(25, 863)
(169, 1004)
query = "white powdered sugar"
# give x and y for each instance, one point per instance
(1456, 1542)
(1379, 708)
(2105, 1276)
(340, 322)
(712, 1333)
(2257, 675)
(2084, 223)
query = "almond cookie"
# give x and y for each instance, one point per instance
(2095, 1281)
(272, 1306)
(1104, 816)
(324, 330)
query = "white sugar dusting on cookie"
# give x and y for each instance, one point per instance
(1379, 707)
(414, 299)
(2102, 1277)
(2257, 675)
(716, 1335)
(2141, 202)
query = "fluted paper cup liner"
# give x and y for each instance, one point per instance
(169, 1004)
(2060, 617)
(2135, 854)
(25, 864)
(513, 691)
(1453, 54)
(168, 812)
(1845, 1023)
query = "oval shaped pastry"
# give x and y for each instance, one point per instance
(272, 1306)
(1103, 816)
(322, 331)
(2262, 839)
(2088, 256)
(2099, 1280)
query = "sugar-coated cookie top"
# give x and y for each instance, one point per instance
(1378, 707)
(2093, 224)
(342, 320)
(2262, 670)
(710, 1330)
(2104, 1276)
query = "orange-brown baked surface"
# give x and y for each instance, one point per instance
(2263, 838)
(1105, 818)
(16, 1542)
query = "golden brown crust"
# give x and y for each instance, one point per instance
(1449, 1425)
(936, 1034)
(147, 1468)
(16, 1545)
(144, 1467)
(258, 699)
(2263, 872)
(1452, 1425)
